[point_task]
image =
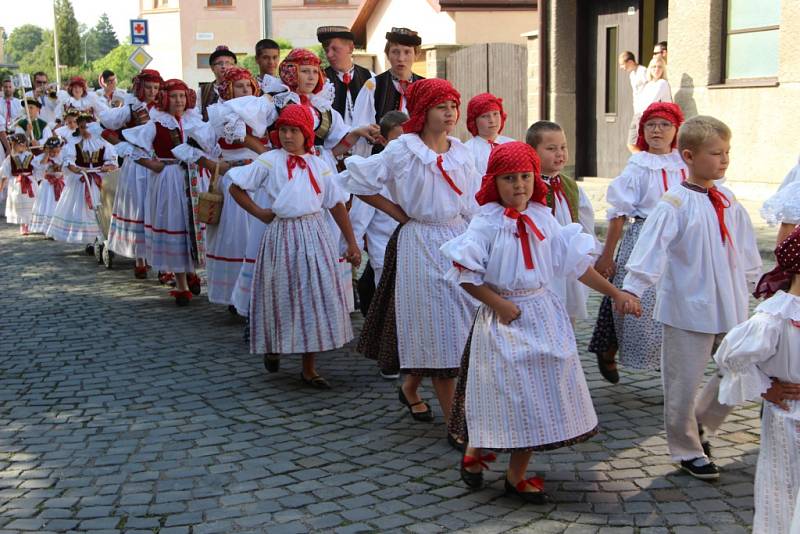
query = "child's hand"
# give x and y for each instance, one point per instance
(626, 303)
(108, 167)
(605, 266)
(779, 392)
(353, 255)
(266, 215)
(507, 311)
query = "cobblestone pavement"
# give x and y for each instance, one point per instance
(121, 413)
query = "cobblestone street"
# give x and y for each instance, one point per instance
(120, 412)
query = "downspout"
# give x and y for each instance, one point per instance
(544, 59)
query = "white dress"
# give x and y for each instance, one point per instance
(374, 227)
(19, 203)
(433, 314)
(682, 236)
(298, 303)
(481, 148)
(74, 219)
(88, 103)
(768, 346)
(784, 205)
(525, 386)
(51, 184)
(126, 235)
(168, 239)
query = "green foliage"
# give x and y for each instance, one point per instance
(70, 51)
(105, 35)
(117, 61)
(317, 49)
(23, 40)
(249, 62)
(284, 44)
(41, 58)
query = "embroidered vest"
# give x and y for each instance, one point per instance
(571, 191)
(21, 166)
(165, 140)
(360, 76)
(208, 96)
(38, 127)
(88, 160)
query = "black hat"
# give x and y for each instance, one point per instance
(326, 33)
(33, 102)
(220, 51)
(53, 142)
(18, 138)
(404, 36)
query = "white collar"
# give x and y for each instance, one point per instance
(783, 305)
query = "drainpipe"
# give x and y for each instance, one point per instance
(542, 8)
(266, 23)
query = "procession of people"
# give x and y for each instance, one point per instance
(270, 190)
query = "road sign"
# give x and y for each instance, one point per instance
(140, 59)
(139, 34)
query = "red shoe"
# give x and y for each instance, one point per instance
(182, 298)
(140, 272)
(194, 283)
(166, 278)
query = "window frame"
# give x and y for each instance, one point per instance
(611, 72)
(325, 3)
(212, 4)
(759, 81)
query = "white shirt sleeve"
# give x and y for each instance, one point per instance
(649, 257)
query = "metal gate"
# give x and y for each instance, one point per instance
(497, 68)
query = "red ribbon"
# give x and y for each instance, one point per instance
(25, 184)
(720, 202)
(468, 461)
(664, 178)
(402, 86)
(559, 193)
(346, 79)
(87, 187)
(450, 182)
(57, 183)
(297, 161)
(523, 223)
(536, 482)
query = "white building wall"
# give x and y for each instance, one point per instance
(165, 43)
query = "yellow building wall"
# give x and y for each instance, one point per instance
(474, 27)
(165, 39)
(293, 20)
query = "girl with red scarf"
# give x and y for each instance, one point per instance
(508, 259)
(174, 241)
(298, 302)
(416, 316)
(126, 235)
(632, 196)
(698, 249)
(486, 119)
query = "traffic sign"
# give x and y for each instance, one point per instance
(139, 35)
(140, 59)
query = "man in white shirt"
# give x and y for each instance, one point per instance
(346, 76)
(113, 97)
(47, 95)
(10, 110)
(638, 76)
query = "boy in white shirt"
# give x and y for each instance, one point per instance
(699, 249)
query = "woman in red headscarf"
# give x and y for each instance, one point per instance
(486, 118)
(761, 358)
(174, 239)
(633, 195)
(79, 97)
(126, 235)
(298, 301)
(508, 259)
(432, 181)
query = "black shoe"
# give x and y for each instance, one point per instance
(272, 363)
(246, 333)
(455, 443)
(608, 367)
(703, 472)
(472, 480)
(425, 417)
(89, 250)
(193, 281)
(533, 497)
(390, 375)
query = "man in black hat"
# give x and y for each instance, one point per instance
(221, 58)
(385, 92)
(347, 77)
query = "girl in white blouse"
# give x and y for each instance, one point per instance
(784, 206)
(525, 390)
(761, 358)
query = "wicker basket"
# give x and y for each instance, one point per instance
(209, 205)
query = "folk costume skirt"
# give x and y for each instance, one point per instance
(521, 385)
(19, 205)
(298, 303)
(43, 207)
(126, 235)
(638, 339)
(167, 237)
(74, 220)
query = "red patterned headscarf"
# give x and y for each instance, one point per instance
(290, 66)
(232, 75)
(77, 81)
(138, 81)
(299, 117)
(661, 110)
(484, 103)
(423, 95)
(175, 85)
(787, 254)
(510, 158)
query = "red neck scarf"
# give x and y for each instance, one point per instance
(523, 224)
(293, 162)
(450, 182)
(720, 203)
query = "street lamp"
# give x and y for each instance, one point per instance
(85, 39)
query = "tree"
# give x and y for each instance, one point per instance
(106, 38)
(41, 58)
(70, 51)
(117, 61)
(23, 40)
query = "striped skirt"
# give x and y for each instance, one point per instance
(126, 233)
(298, 303)
(19, 206)
(167, 237)
(73, 221)
(43, 207)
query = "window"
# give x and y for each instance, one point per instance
(324, 2)
(219, 3)
(751, 40)
(612, 70)
(160, 3)
(203, 60)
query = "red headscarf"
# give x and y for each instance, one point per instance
(423, 95)
(299, 117)
(175, 85)
(661, 110)
(138, 81)
(77, 80)
(484, 103)
(234, 74)
(787, 253)
(511, 158)
(289, 67)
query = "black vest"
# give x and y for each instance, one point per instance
(387, 98)
(360, 76)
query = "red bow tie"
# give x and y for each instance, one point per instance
(720, 203)
(346, 79)
(294, 162)
(523, 223)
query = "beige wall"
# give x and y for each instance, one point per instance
(764, 145)
(474, 27)
(562, 97)
(293, 21)
(165, 40)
